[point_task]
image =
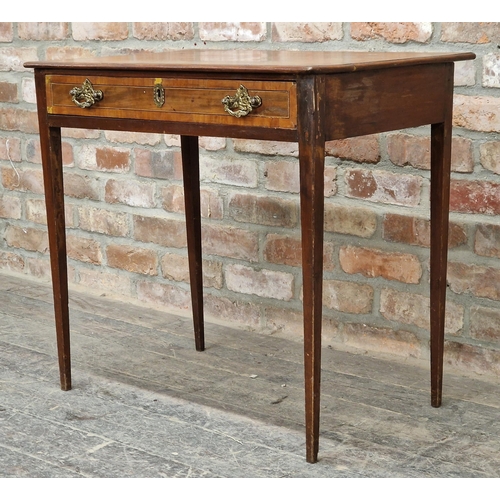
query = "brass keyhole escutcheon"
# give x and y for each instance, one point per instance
(159, 95)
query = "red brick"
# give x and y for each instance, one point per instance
(10, 207)
(132, 259)
(59, 53)
(158, 164)
(385, 187)
(228, 241)
(385, 340)
(472, 359)
(34, 153)
(10, 149)
(350, 220)
(263, 210)
(245, 314)
(28, 238)
(480, 113)
(465, 73)
(129, 192)
(173, 198)
(238, 32)
(281, 249)
(112, 159)
(163, 31)
(347, 297)
(175, 267)
(306, 32)
(490, 156)
(99, 31)
(6, 32)
(480, 197)
(263, 283)
(364, 149)
(19, 119)
(83, 249)
(122, 136)
(480, 281)
(375, 263)
(270, 148)
(43, 31)
(8, 92)
(11, 261)
(162, 231)
(98, 220)
(81, 186)
(491, 70)
(414, 231)
(414, 309)
(470, 32)
(487, 240)
(392, 32)
(211, 203)
(27, 179)
(415, 151)
(236, 172)
(165, 296)
(485, 323)
(98, 280)
(12, 58)
(36, 212)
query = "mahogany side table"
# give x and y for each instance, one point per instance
(306, 97)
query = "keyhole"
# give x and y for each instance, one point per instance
(159, 95)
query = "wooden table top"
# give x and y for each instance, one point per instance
(254, 61)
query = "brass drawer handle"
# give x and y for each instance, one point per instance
(241, 104)
(85, 96)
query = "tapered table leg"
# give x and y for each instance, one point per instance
(311, 160)
(50, 139)
(440, 200)
(191, 177)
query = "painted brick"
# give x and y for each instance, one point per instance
(164, 296)
(480, 197)
(347, 297)
(394, 342)
(99, 220)
(480, 281)
(385, 187)
(263, 210)
(375, 263)
(470, 32)
(233, 171)
(392, 32)
(490, 156)
(175, 267)
(350, 220)
(413, 309)
(485, 323)
(465, 73)
(163, 31)
(28, 238)
(480, 113)
(43, 31)
(415, 231)
(8, 92)
(237, 32)
(6, 32)
(364, 149)
(228, 241)
(162, 231)
(83, 249)
(132, 259)
(128, 192)
(415, 151)
(158, 164)
(306, 32)
(286, 250)
(99, 31)
(263, 283)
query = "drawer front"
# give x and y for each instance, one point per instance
(247, 103)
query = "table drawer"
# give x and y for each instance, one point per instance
(207, 101)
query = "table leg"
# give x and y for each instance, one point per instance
(191, 178)
(312, 160)
(50, 140)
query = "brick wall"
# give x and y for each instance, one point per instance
(124, 209)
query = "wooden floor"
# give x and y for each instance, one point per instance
(146, 404)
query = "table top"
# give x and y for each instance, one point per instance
(254, 61)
